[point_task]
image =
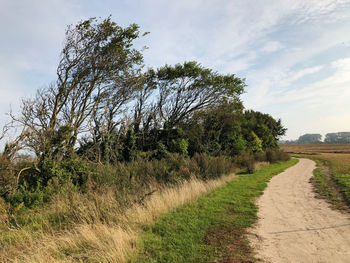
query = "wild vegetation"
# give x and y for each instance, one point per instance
(108, 135)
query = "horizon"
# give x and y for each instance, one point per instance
(295, 56)
(323, 136)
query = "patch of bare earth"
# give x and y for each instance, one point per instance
(238, 250)
(294, 226)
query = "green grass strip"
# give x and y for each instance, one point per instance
(211, 228)
(343, 181)
(323, 187)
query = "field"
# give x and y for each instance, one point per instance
(316, 148)
(334, 156)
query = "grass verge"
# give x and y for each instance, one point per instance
(211, 228)
(103, 241)
(331, 178)
(322, 185)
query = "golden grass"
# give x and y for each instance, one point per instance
(315, 148)
(112, 239)
(337, 155)
(340, 163)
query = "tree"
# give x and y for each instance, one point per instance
(97, 71)
(184, 89)
(216, 130)
(310, 138)
(254, 143)
(264, 126)
(338, 137)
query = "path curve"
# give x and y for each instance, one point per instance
(294, 226)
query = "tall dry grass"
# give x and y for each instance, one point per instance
(106, 233)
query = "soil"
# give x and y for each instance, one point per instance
(294, 226)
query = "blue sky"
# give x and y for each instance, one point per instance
(295, 55)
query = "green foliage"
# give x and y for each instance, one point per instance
(239, 145)
(8, 181)
(246, 161)
(129, 150)
(254, 143)
(164, 125)
(29, 196)
(74, 170)
(180, 146)
(203, 88)
(343, 180)
(264, 126)
(274, 156)
(161, 150)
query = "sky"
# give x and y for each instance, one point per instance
(294, 54)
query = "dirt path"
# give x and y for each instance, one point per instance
(294, 226)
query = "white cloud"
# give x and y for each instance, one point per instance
(302, 73)
(271, 43)
(319, 107)
(272, 46)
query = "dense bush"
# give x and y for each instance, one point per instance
(3, 212)
(212, 167)
(245, 161)
(273, 156)
(29, 196)
(134, 178)
(8, 181)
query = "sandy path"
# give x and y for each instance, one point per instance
(296, 227)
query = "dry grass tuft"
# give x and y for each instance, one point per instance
(171, 198)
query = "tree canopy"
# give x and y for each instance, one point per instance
(106, 107)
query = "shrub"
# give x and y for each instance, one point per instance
(29, 196)
(8, 181)
(202, 162)
(3, 212)
(218, 166)
(179, 146)
(245, 161)
(254, 143)
(273, 156)
(208, 167)
(260, 156)
(73, 170)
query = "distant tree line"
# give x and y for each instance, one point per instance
(330, 138)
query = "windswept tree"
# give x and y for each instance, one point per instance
(184, 89)
(95, 72)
